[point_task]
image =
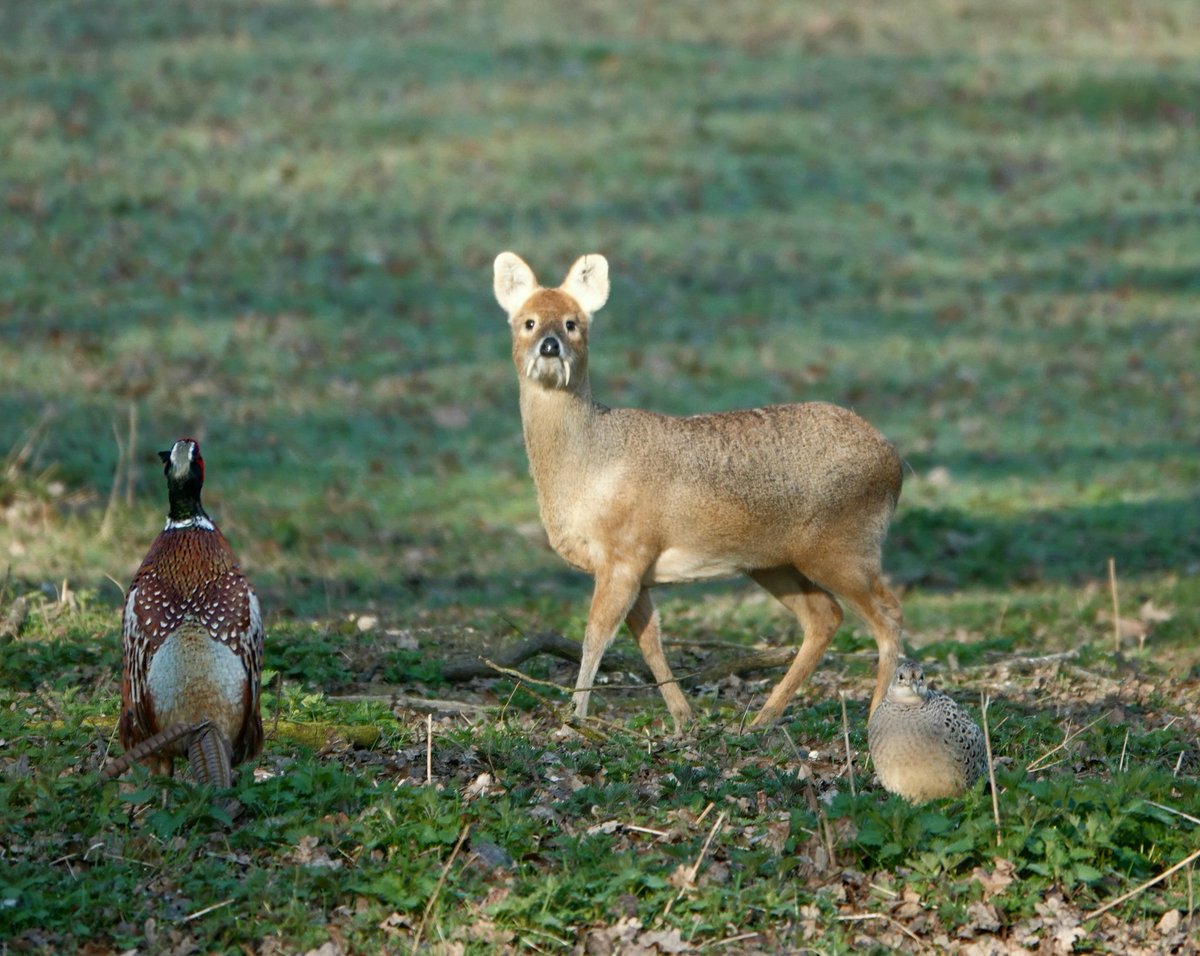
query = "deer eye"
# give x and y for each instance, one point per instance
(570, 323)
(529, 323)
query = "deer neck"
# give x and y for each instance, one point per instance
(558, 426)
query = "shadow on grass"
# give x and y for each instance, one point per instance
(951, 548)
(931, 549)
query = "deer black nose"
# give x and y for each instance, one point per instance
(550, 347)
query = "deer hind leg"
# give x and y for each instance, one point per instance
(614, 597)
(863, 589)
(819, 616)
(643, 621)
(887, 622)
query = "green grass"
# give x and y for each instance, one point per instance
(270, 226)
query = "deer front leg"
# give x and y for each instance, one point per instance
(643, 621)
(616, 590)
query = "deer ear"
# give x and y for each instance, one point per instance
(587, 282)
(513, 281)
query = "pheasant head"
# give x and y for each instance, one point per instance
(184, 467)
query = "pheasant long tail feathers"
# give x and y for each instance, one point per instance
(209, 755)
(151, 746)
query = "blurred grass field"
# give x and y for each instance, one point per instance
(270, 226)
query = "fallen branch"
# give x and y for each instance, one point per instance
(523, 678)
(1020, 664)
(389, 694)
(744, 661)
(544, 642)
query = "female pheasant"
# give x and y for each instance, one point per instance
(192, 642)
(924, 745)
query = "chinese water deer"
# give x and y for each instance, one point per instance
(798, 497)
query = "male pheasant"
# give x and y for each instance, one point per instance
(192, 642)
(924, 745)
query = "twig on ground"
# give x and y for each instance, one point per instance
(826, 831)
(846, 738)
(512, 672)
(1178, 813)
(1037, 764)
(815, 805)
(858, 917)
(695, 870)
(742, 720)
(278, 703)
(661, 834)
(437, 890)
(689, 879)
(591, 732)
(428, 749)
(1050, 658)
(791, 743)
(986, 702)
(740, 938)
(1191, 899)
(508, 700)
(1145, 886)
(1116, 612)
(108, 745)
(206, 911)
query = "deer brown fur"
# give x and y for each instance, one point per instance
(798, 497)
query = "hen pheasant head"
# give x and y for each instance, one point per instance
(184, 468)
(908, 687)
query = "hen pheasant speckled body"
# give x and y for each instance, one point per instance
(923, 744)
(192, 641)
